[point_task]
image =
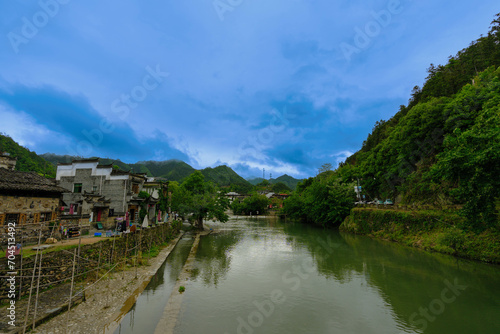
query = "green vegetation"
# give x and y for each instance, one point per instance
(255, 205)
(289, 181)
(198, 199)
(182, 289)
(442, 149)
(432, 230)
(27, 161)
(324, 200)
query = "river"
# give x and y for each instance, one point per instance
(266, 276)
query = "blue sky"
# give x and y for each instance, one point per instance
(285, 85)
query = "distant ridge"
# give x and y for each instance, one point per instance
(172, 170)
(290, 181)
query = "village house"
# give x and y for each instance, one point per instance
(26, 197)
(97, 192)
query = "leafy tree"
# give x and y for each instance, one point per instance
(325, 168)
(324, 201)
(253, 204)
(200, 199)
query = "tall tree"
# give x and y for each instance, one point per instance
(200, 199)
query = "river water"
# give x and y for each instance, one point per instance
(266, 276)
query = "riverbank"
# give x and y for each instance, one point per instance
(435, 231)
(107, 300)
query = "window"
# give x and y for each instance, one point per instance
(135, 188)
(94, 189)
(12, 218)
(45, 216)
(77, 188)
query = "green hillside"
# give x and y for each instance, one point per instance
(223, 176)
(290, 181)
(255, 181)
(174, 170)
(27, 161)
(442, 148)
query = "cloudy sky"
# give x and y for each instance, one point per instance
(285, 85)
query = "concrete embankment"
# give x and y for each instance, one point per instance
(167, 323)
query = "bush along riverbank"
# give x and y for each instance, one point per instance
(437, 231)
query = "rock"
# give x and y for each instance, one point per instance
(51, 241)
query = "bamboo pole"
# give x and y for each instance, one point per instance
(79, 244)
(71, 290)
(32, 282)
(125, 257)
(99, 261)
(37, 289)
(21, 269)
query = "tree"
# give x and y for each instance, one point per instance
(200, 199)
(256, 204)
(471, 156)
(324, 201)
(325, 168)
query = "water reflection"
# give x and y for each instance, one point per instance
(213, 258)
(358, 285)
(147, 310)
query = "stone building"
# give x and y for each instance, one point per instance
(7, 162)
(98, 191)
(26, 197)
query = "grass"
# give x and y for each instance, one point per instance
(30, 252)
(433, 231)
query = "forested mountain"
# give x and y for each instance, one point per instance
(27, 161)
(223, 176)
(174, 170)
(444, 147)
(290, 181)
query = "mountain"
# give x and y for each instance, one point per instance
(255, 181)
(223, 176)
(290, 181)
(444, 146)
(27, 161)
(174, 170)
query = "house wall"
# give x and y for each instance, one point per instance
(116, 191)
(117, 188)
(30, 209)
(7, 162)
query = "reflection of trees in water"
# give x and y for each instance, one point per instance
(404, 277)
(173, 265)
(212, 258)
(328, 249)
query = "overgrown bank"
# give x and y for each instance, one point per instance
(429, 230)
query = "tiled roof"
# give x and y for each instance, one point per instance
(27, 181)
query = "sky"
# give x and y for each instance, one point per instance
(280, 85)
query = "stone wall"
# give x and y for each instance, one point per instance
(58, 265)
(30, 209)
